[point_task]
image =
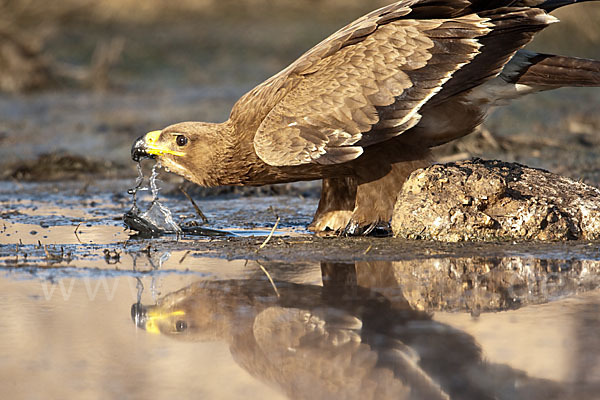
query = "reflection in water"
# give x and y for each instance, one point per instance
(339, 340)
(479, 284)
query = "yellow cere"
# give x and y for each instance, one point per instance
(151, 138)
(155, 317)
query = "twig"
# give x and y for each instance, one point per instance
(198, 211)
(270, 235)
(368, 250)
(48, 255)
(184, 256)
(270, 279)
(76, 235)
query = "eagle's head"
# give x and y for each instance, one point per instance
(187, 149)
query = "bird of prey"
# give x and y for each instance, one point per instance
(362, 109)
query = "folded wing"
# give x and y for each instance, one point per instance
(367, 82)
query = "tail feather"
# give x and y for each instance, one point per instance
(529, 72)
(545, 71)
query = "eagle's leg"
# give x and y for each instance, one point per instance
(335, 206)
(375, 200)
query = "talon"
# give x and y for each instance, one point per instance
(368, 229)
(375, 229)
(352, 229)
(379, 229)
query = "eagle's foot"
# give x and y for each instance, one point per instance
(330, 223)
(374, 229)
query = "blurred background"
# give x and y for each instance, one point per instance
(81, 79)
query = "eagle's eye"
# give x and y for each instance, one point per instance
(181, 140)
(180, 326)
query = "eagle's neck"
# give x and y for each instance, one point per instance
(236, 162)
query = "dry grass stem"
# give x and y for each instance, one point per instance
(270, 235)
(76, 234)
(269, 277)
(184, 256)
(198, 210)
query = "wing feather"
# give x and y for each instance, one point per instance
(334, 108)
(368, 81)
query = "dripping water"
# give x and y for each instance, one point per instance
(158, 218)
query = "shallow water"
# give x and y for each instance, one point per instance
(91, 311)
(74, 336)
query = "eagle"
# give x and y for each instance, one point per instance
(362, 109)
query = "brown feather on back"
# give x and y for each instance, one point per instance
(366, 83)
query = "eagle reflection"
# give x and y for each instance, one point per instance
(338, 340)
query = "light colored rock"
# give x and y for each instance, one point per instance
(492, 200)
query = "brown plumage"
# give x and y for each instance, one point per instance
(362, 109)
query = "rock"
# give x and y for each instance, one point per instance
(493, 200)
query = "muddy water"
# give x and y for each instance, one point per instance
(90, 310)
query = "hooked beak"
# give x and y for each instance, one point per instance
(146, 147)
(138, 150)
